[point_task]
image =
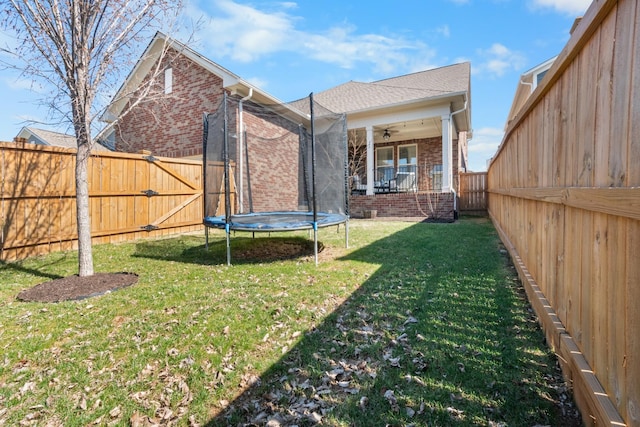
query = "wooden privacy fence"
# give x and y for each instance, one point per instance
(131, 196)
(565, 198)
(473, 192)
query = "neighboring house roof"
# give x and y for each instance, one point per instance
(56, 139)
(528, 82)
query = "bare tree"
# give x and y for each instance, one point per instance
(357, 149)
(79, 48)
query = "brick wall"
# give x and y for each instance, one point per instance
(434, 206)
(172, 125)
(274, 162)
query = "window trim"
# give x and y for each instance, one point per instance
(168, 80)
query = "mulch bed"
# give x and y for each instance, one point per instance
(77, 288)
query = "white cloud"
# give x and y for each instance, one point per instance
(444, 31)
(22, 83)
(246, 34)
(258, 82)
(570, 7)
(498, 60)
(483, 146)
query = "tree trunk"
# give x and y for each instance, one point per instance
(85, 253)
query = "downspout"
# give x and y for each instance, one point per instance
(241, 157)
(455, 196)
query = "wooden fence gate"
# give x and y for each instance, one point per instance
(473, 193)
(131, 196)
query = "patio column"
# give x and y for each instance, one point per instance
(447, 154)
(370, 153)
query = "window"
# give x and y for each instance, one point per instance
(384, 164)
(407, 158)
(407, 177)
(537, 78)
(436, 177)
(168, 81)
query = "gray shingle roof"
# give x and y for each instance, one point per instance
(356, 96)
(58, 139)
(54, 138)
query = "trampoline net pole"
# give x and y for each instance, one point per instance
(313, 165)
(227, 194)
(225, 155)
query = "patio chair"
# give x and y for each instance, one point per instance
(357, 187)
(405, 181)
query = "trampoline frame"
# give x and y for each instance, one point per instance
(226, 221)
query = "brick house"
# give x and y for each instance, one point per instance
(407, 135)
(168, 122)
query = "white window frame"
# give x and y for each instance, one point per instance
(168, 80)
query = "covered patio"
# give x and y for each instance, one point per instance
(407, 141)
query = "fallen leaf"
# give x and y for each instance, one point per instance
(315, 417)
(115, 412)
(164, 413)
(28, 386)
(394, 361)
(138, 420)
(391, 398)
(410, 319)
(364, 400)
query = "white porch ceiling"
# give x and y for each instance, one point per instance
(412, 129)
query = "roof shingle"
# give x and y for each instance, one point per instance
(357, 96)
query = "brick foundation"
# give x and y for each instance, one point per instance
(435, 206)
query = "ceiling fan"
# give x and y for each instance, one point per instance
(387, 132)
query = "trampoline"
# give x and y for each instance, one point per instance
(275, 221)
(274, 168)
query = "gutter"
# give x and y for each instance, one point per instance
(522, 82)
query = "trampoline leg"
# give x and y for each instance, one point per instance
(228, 246)
(346, 234)
(315, 242)
(315, 245)
(206, 238)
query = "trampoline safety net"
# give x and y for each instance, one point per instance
(260, 158)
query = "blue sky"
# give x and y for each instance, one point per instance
(290, 49)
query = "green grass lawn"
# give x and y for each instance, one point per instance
(422, 324)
